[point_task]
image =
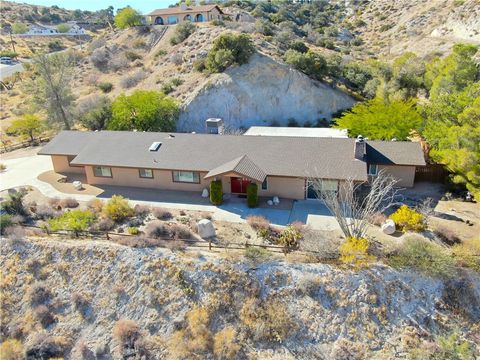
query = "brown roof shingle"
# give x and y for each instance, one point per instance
(242, 166)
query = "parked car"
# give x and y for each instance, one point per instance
(6, 60)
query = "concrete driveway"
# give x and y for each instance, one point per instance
(24, 171)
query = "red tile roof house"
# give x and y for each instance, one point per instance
(281, 166)
(182, 13)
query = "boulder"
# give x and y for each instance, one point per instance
(206, 229)
(388, 227)
(270, 202)
(205, 193)
(276, 200)
(77, 185)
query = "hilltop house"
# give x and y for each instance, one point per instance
(280, 165)
(47, 30)
(182, 13)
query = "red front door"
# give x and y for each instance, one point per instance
(239, 185)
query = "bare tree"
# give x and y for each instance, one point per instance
(353, 207)
(52, 86)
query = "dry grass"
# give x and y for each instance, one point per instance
(225, 344)
(126, 331)
(258, 223)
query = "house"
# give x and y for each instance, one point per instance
(295, 131)
(280, 165)
(182, 13)
(47, 30)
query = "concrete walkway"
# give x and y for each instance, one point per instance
(24, 171)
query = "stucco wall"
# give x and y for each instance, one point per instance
(162, 180)
(207, 16)
(404, 174)
(290, 188)
(61, 164)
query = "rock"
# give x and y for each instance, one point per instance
(77, 185)
(206, 229)
(270, 202)
(388, 227)
(276, 200)
(205, 193)
(258, 93)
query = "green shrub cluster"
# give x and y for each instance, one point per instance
(229, 49)
(5, 222)
(118, 209)
(182, 32)
(106, 87)
(309, 62)
(216, 192)
(407, 219)
(252, 195)
(75, 220)
(290, 237)
(8, 53)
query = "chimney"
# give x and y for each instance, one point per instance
(360, 148)
(214, 126)
(183, 5)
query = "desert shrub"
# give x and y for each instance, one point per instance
(167, 88)
(133, 230)
(44, 212)
(216, 192)
(446, 234)
(118, 208)
(299, 46)
(55, 203)
(199, 65)
(142, 210)
(11, 349)
(290, 237)
(68, 203)
(45, 346)
(127, 18)
(176, 58)
(377, 219)
(76, 220)
(132, 55)
(100, 58)
(94, 111)
(258, 222)
(407, 219)
(39, 294)
(80, 302)
(229, 49)
(225, 344)
(176, 81)
(131, 80)
(467, 254)
(104, 224)
(140, 43)
(257, 254)
(14, 204)
(95, 205)
(346, 349)
(5, 222)
(267, 320)
(182, 32)
(55, 45)
(353, 251)
(217, 22)
(157, 229)
(161, 213)
(452, 347)
(424, 256)
(44, 316)
(3, 167)
(310, 63)
(106, 87)
(161, 52)
(126, 331)
(180, 231)
(252, 195)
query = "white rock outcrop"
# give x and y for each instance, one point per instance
(389, 227)
(206, 229)
(259, 93)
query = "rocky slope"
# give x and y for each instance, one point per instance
(259, 93)
(183, 302)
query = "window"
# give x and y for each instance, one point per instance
(265, 184)
(372, 169)
(102, 171)
(145, 173)
(186, 176)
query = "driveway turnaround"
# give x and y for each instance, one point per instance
(24, 171)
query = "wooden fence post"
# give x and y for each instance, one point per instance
(108, 237)
(210, 244)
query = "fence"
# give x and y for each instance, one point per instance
(106, 235)
(431, 172)
(7, 148)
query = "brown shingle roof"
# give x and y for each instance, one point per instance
(395, 153)
(189, 9)
(243, 166)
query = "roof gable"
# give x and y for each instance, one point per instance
(243, 166)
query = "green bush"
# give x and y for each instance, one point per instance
(14, 204)
(182, 32)
(106, 87)
(424, 256)
(252, 195)
(257, 254)
(8, 53)
(132, 55)
(160, 53)
(310, 63)
(75, 220)
(290, 237)
(216, 192)
(19, 28)
(133, 230)
(299, 46)
(128, 17)
(5, 222)
(63, 28)
(229, 49)
(407, 219)
(199, 65)
(118, 209)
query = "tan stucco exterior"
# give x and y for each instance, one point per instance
(285, 187)
(404, 174)
(182, 16)
(61, 164)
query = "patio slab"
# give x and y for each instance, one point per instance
(313, 213)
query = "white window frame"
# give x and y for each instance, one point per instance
(195, 177)
(99, 171)
(370, 173)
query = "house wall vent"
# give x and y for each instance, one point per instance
(155, 146)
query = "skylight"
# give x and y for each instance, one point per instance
(155, 146)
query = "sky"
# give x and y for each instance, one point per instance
(143, 6)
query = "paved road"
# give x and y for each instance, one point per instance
(9, 70)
